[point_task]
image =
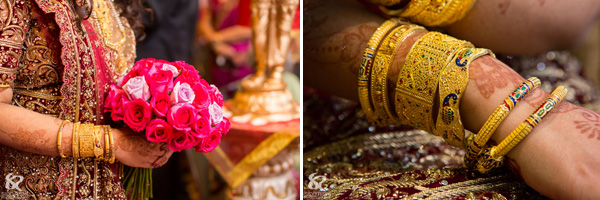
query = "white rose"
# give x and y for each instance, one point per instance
(168, 67)
(137, 88)
(216, 113)
(182, 93)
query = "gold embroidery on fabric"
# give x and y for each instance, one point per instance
(38, 65)
(12, 34)
(13, 22)
(116, 35)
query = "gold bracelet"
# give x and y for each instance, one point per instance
(492, 123)
(365, 69)
(452, 84)
(75, 145)
(86, 140)
(106, 156)
(98, 133)
(112, 147)
(443, 13)
(494, 157)
(59, 138)
(418, 78)
(411, 9)
(383, 60)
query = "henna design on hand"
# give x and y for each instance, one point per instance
(343, 49)
(503, 6)
(67, 142)
(133, 143)
(490, 74)
(536, 97)
(542, 2)
(589, 125)
(33, 140)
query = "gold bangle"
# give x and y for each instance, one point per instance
(492, 123)
(86, 141)
(412, 8)
(106, 143)
(452, 83)
(98, 152)
(112, 147)
(443, 13)
(494, 157)
(383, 60)
(365, 69)
(75, 145)
(419, 76)
(59, 138)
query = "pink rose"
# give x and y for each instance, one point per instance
(201, 127)
(182, 117)
(190, 77)
(183, 66)
(140, 68)
(224, 126)
(144, 64)
(182, 93)
(216, 114)
(159, 131)
(163, 65)
(160, 103)
(202, 99)
(136, 88)
(115, 101)
(181, 140)
(209, 143)
(137, 114)
(216, 95)
(161, 81)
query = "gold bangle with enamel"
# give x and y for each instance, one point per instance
(452, 84)
(419, 76)
(366, 64)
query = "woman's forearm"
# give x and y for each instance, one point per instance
(558, 158)
(235, 34)
(527, 27)
(33, 132)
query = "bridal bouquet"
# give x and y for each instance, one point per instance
(168, 102)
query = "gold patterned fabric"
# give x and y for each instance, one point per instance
(346, 158)
(62, 67)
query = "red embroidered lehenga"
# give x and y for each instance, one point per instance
(63, 68)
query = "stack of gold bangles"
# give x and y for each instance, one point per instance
(431, 83)
(428, 12)
(87, 142)
(436, 64)
(484, 160)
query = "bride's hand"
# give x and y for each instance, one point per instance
(132, 149)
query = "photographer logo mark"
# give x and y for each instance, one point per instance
(11, 184)
(314, 184)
